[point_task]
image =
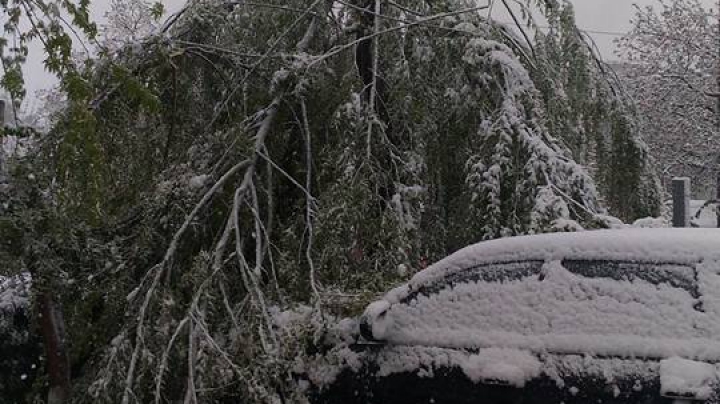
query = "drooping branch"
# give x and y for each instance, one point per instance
(519, 26)
(309, 202)
(250, 277)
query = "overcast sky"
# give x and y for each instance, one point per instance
(605, 18)
(611, 16)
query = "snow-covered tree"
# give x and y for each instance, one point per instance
(588, 109)
(128, 22)
(672, 55)
(251, 158)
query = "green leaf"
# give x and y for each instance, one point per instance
(157, 10)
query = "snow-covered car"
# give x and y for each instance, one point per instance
(615, 316)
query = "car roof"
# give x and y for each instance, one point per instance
(661, 245)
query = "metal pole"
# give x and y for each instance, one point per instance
(717, 123)
(681, 201)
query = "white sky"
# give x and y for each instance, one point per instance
(609, 16)
(37, 78)
(605, 18)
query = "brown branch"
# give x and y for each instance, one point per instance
(52, 329)
(691, 86)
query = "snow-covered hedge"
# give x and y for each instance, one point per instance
(19, 347)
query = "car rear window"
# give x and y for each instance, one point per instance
(679, 276)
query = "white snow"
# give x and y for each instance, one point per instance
(509, 366)
(198, 181)
(651, 222)
(325, 371)
(658, 245)
(14, 292)
(610, 221)
(705, 216)
(557, 318)
(375, 311)
(568, 225)
(513, 367)
(504, 366)
(681, 377)
(518, 142)
(555, 309)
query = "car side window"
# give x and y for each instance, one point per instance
(678, 276)
(494, 272)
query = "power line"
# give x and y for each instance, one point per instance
(608, 33)
(587, 31)
(591, 31)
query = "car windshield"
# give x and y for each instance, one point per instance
(577, 301)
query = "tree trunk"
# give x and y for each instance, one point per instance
(52, 328)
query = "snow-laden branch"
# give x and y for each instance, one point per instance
(250, 277)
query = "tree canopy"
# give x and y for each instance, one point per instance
(672, 53)
(216, 194)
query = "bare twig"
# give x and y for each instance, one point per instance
(374, 82)
(338, 49)
(271, 48)
(250, 277)
(519, 26)
(691, 86)
(159, 270)
(165, 358)
(309, 201)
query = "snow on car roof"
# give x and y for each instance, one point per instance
(564, 311)
(676, 245)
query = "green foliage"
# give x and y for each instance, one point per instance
(157, 10)
(589, 112)
(13, 81)
(135, 91)
(46, 22)
(77, 87)
(20, 132)
(80, 165)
